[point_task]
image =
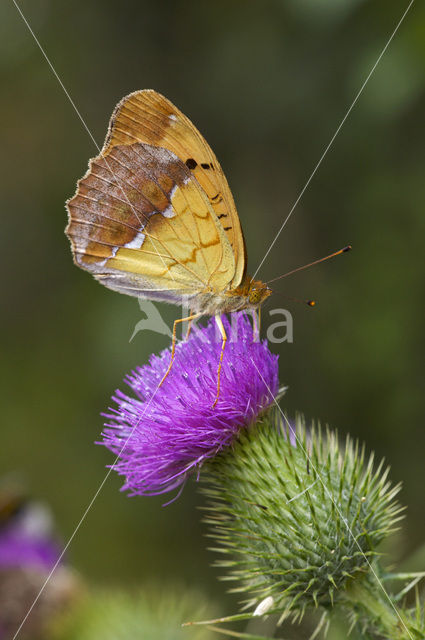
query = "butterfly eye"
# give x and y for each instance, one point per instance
(255, 296)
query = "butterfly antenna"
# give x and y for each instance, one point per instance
(311, 264)
(310, 303)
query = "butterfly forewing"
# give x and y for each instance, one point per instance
(147, 116)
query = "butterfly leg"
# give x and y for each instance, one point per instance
(189, 327)
(173, 343)
(223, 344)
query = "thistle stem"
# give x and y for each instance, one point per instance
(377, 613)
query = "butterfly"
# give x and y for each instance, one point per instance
(154, 216)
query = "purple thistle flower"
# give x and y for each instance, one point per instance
(29, 552)
(163, 434)
(26, 541)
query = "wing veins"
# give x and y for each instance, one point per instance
(179, 141)
(123, 192)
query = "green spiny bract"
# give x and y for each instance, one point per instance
(296, 520)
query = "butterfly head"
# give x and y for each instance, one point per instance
(257, 292)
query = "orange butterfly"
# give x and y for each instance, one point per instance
(154, 216)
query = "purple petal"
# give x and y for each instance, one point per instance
(161, 435)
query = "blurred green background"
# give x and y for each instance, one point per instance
(267, 83)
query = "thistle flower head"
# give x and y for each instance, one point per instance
(26, 540)
(296, 521)
(28, 554)
(162, 434)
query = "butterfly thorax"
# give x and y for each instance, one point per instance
(250, 294)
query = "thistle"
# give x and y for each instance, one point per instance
(28, 553)
(297, 517)
(297, 520)
(162, 434)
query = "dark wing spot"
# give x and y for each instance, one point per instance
(206, 165)
(222, 215)
(191, 163)
(227, 228)
(217, 198)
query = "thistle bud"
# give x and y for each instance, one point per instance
(297, 517)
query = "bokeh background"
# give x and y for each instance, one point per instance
(267, 83)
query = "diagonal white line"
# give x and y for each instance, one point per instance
(83, 122)
(328, 493)
(83, 517)
(341, 124)
(57, 77)
(302, 492)
(88, 508)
